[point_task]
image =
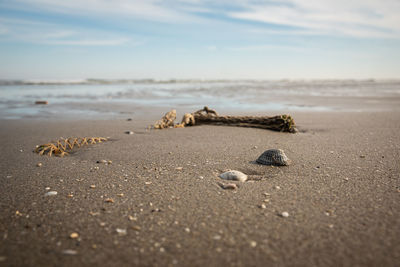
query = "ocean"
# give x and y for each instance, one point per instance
(100, 98)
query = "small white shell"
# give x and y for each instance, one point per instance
(51, 193)
(234, 175)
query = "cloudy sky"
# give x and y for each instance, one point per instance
(220, 39)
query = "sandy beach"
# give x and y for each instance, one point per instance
(159, 202)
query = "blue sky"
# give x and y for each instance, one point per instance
(236, 39)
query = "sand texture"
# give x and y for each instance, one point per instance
(159, 202)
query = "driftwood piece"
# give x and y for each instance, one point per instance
(281, 123)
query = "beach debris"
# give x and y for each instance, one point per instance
(109, 200)
(39, 164)
(51, 193)
(129, 132)
(129, 119)
(74, 235)
(60, 147)
(121, 232)
(132, 218)
(281, 123)
(362, 156)
(234, 175)
(284, 214)
(166, 121)
(273, 157)
(102, 161)
(69, 252)
(230, 186)
(217, 237)
(136, 228)
(92, 186)
(41, 102)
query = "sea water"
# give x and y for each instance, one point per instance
(101, 98)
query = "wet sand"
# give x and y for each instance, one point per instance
(342, 193)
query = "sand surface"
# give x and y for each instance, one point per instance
(342, 193)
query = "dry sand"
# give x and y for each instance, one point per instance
(342, 193)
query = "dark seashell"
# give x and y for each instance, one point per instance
(273, 157)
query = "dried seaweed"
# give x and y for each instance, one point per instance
(60, 147)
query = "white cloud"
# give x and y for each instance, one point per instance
(53, 34)
(368, 18)
(266, 48)
(148, 9)
(355, 18)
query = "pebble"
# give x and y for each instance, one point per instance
(69, 252)
(39, 164)
(136, 228)
(47, 188)
(277, 187)
(362, 156)
(201, 177)
(253, 244)
(74, 235)
(132, 218)
(187, 230)
(129, 119)
(109, 200)
(234, 175)
(121, 232)
(51, 193)
(285, 214)
(103, 161)
(3, 258)
(179, 168)
(263, 206)
(228, 186)
(93, 186)
(129, 132)
(217, 237)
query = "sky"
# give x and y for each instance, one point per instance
(199, 39)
